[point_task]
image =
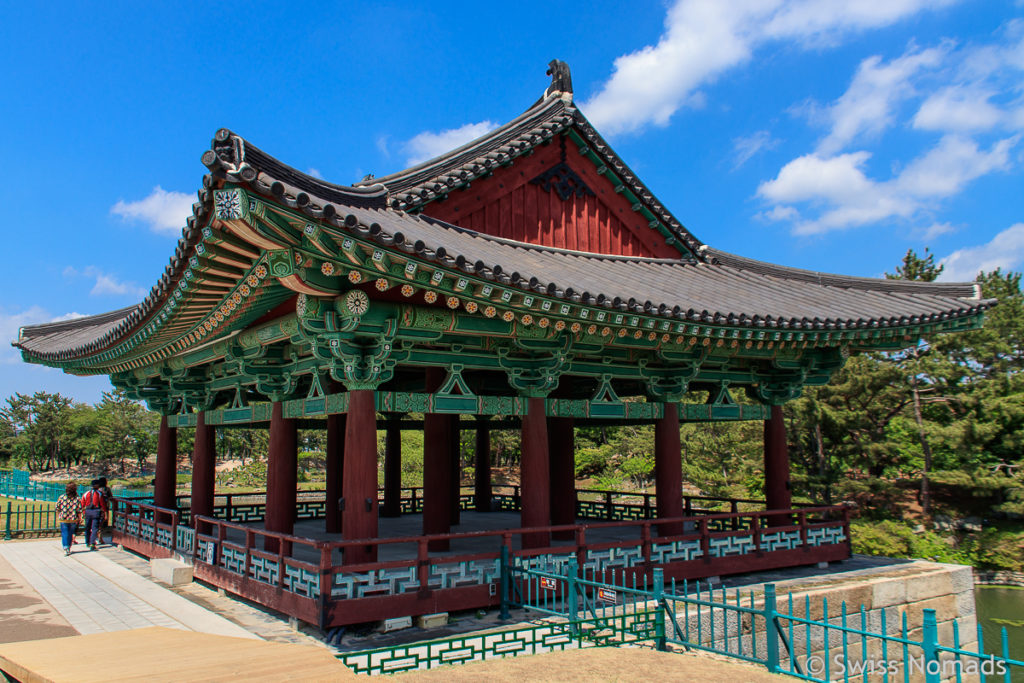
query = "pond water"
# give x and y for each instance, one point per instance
(999, 607)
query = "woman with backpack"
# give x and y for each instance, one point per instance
(95, 507)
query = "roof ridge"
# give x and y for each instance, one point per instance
(540, 107)
(965, 290)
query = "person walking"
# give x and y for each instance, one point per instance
(95, 509)
(69, 516)
(105, 518)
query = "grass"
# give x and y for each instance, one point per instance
(22, 504)
(27, 516)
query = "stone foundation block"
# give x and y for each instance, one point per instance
(965, 605)
(929, 586)
(888, 593)
(962, 579)
(170, 572)
(396, 624)
(432, 620)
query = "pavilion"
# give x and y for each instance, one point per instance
(528, 278)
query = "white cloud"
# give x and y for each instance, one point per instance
(315, 172)
(383, 145)
(108, 284)
(954, 162)
(982, 92)
(818, 21)
(847, 197)
(866, 108)
(970, 95)
(1005, 250)
(705, 38)
(780, 213)
(428, 144)
(744, 148)
(105, 283)
(937, 230)
(164, 211)
(958, 108)
(810, 177)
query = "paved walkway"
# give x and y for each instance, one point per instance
(95, 595)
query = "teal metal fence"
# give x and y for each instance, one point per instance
(17, 483)
(28, 520)
(801, 638)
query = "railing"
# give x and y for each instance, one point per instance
(835, 646)
(591, 503)
(25, 520)
(412, 576)
(252, 507)
(18, 484)
(622, 505)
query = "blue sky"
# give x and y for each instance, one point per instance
(831, 135)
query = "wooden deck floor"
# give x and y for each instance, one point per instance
(163, 654)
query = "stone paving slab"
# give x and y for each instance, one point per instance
(24, 615)
(265, 623)
(95, 595)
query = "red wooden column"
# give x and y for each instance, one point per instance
(455, 444)
(204, 464)
(535, 475)
(392, 470)
(776, 467)
(359, 487)
(166, 465)
(335, 468)
(668, 470)
(282, 475)
(437, 461)
(562, 453)
(482, 468)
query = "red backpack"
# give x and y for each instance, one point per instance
(92, 500)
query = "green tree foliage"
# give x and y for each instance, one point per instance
(947, 405)
(38, 429)
(915, 267)
(125, 430)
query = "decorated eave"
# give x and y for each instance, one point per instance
(263, 232)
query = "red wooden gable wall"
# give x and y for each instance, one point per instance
(507, 204)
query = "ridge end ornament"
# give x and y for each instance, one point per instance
(561, 78)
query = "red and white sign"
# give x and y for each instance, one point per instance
(607, 595)
(548, 584)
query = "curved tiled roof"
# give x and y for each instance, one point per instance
(727, 290)
(717, 287)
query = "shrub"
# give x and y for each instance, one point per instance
(591, 462)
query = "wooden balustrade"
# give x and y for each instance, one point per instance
(232, 556)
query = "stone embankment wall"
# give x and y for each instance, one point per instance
(997, 578)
